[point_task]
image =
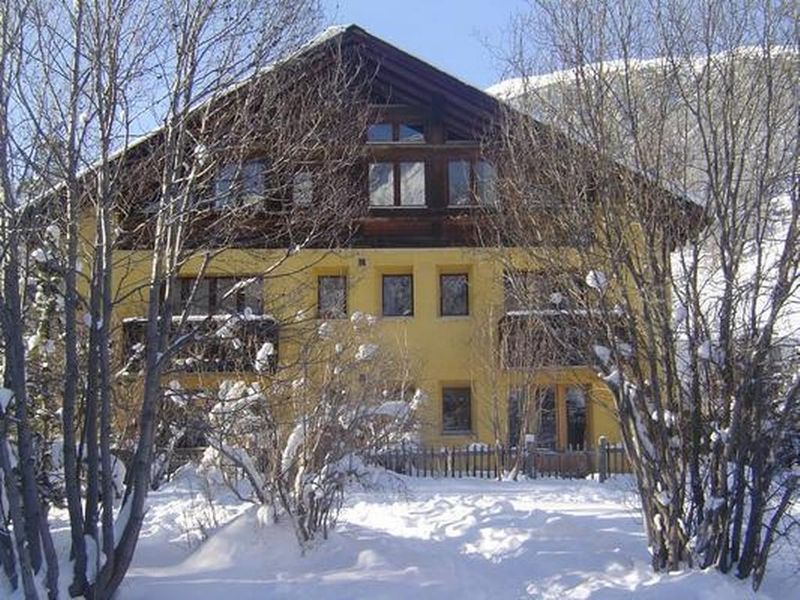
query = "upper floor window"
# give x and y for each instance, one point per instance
(454, 290)
(239, 183)
(303, 188)
(221, 295)
(407, 133)
(398, 295)
(470, 182)
(533, 291)
(397, 184)
(332, 296)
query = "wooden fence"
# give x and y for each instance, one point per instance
(494, 462)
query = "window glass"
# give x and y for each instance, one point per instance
(456, 410)
(398, 295)
(516, 410)
(223, 184)
(412, 183)
(575, 398)
(455, 294)
(381, 184)
(223, 295)
(379, 132)
(485, 183)
(332, 296)
(411, 133)
(458, 182)
(201, 301)
(253, 178)
(303, 188)
(226, 301)
(546, 432)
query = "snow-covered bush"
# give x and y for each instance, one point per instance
(297, 438)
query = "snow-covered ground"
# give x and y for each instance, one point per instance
(422, 539)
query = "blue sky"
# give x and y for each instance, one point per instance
(449, 34)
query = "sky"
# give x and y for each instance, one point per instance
(450, 34)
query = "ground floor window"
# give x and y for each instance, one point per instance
(553, 416)
(456, 410)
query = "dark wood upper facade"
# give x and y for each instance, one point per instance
(433, 177)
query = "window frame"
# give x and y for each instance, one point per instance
(213, 293)
(463, 274)
(303, 182)
(475, 199)
(397, 183)
(395, 125)
(320, 314)
(384, 276)
(236, 193)
(456, 388)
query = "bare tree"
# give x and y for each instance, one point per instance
(671, 134)
(90, 73)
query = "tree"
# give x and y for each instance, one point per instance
(75, 82)
(669, 130)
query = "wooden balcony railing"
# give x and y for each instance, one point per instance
(213, 343)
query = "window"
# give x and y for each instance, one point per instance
(529, 291)
(332, 296)
(222, 295)
(242, 182)
(303, 188)
(412, 184)
(545, 410)
(397, 184)
(380, 132)
(454, 294)
(456, 410)
(459, 192)
(471, 182)
(398, 295)
(575, 398)
(407, 133)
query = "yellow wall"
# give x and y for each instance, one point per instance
(443, 351)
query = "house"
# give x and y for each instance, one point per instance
(412, 258)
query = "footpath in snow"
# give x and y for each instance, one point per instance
(465, 539)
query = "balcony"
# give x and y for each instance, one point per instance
(220, 343)
(543, 338)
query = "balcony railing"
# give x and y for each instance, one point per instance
(213, 343)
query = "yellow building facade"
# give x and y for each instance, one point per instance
(437, 297)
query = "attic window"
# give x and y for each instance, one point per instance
(406, 133)
(471, 182)
(303, 188)
(240, 182)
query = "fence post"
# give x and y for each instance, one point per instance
(602, 458)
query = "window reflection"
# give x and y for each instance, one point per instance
(411, 133)
(303, 188)
(398, 296)
(575, 399)
(458, 182)
(456, 410)
(454, 295)
(412, 183)
(485, 183)
(381, 184)
(379, 132)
